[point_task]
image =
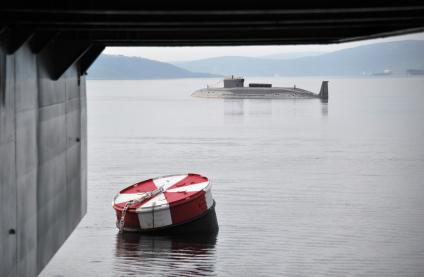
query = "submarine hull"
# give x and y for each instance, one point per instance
(255, 93)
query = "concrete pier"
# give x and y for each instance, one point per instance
(43, 171)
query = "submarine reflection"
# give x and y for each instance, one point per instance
(324, 107)
(141, 254)
(233, 107)
(260, 107)
(236, 109)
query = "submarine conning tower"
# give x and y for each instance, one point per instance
(233, 82)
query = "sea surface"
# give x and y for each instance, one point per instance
(302, 187)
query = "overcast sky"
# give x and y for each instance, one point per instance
(171, 54)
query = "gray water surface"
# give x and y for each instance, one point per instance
(303, 188)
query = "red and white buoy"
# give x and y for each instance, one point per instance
(175, 203)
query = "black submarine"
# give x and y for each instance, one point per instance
(234, 88)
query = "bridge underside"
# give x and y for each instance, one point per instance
(82, 29)
(45, 50)
(208, 23)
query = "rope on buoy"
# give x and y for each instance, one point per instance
(145, 196)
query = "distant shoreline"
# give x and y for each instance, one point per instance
(379, 60)
(272, 77)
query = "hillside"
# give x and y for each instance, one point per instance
(292, 55)
(396, 56)
(118, 67)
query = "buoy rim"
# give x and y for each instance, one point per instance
(163, 206)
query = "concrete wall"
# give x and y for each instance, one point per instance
(42, 160)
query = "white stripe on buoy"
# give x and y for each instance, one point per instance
(167, 182)
(158, 200)
(209, 199)
(125, 197)
(156, 218)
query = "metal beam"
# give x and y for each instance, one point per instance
(41, 40)
(300, 22)
(89, 57)
(143, 7)
(60, 54)
(236, 36)
(16, 37)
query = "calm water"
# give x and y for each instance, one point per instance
(303, 188)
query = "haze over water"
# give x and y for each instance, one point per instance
(302, 188)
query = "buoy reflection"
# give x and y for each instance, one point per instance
(140, 254)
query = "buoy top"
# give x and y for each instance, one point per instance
(167, 191)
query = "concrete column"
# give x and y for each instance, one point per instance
(8, 188)
(43, 164)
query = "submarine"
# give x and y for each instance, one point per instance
(234, 88)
